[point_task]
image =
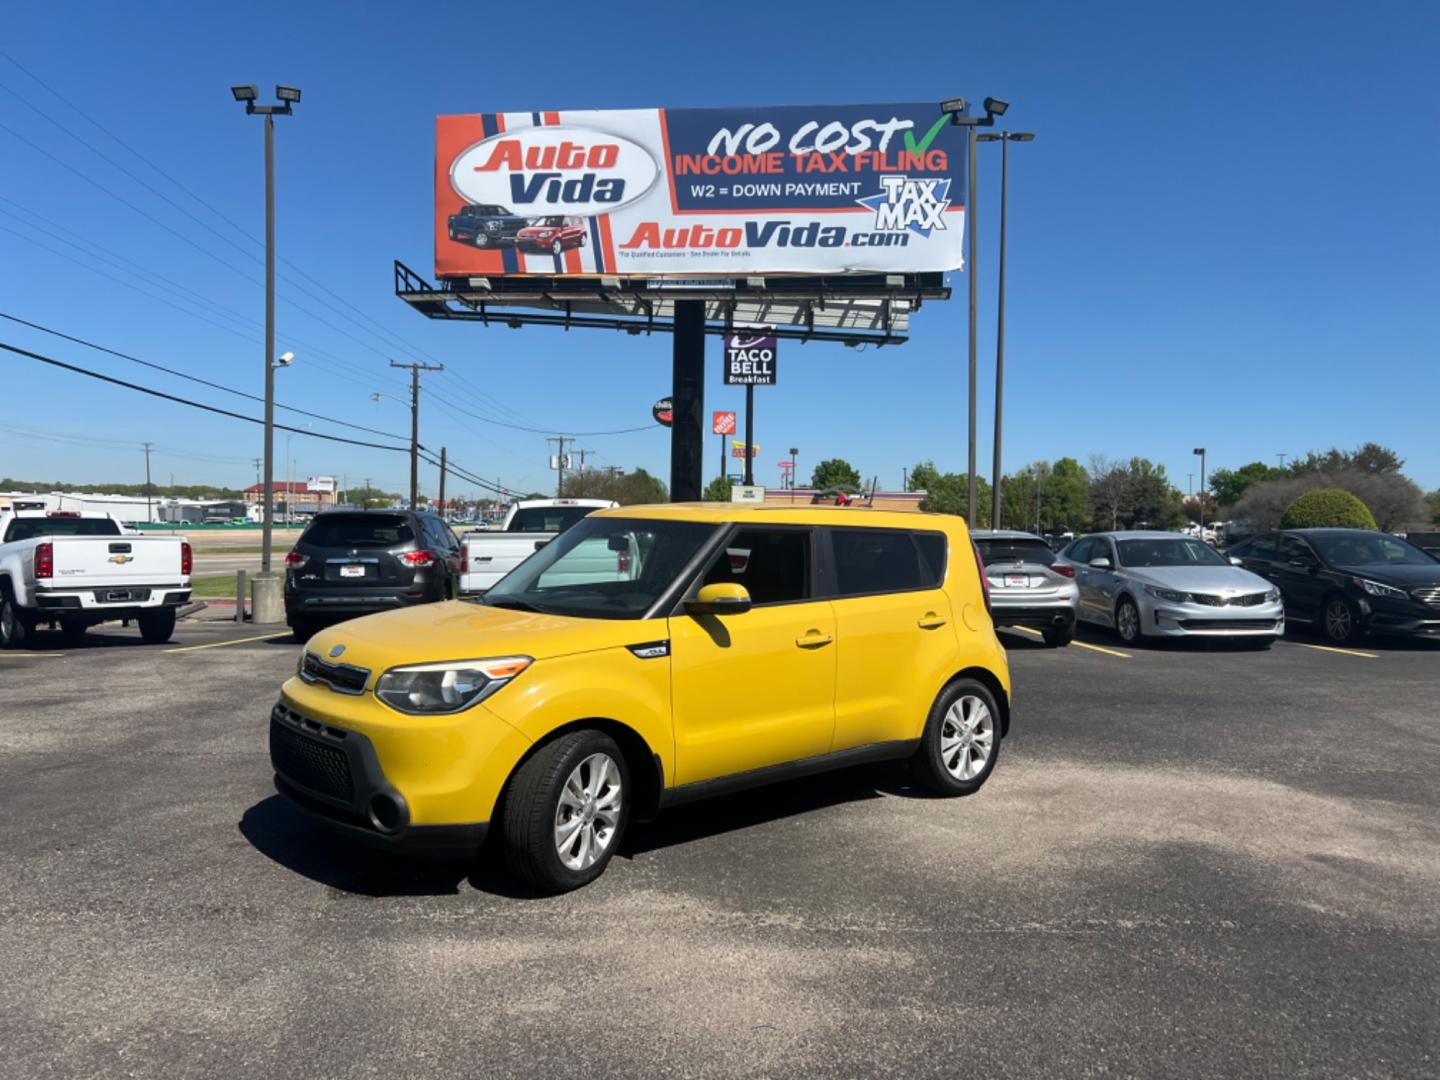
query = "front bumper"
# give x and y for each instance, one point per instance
(335, 777)
(1387, 619)
(1159, 618)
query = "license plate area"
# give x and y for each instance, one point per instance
(1017, 581)
(113, 595)
(352, 571)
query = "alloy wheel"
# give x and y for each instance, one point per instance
(967, 735)
(1339, 623)
(557, 247)
(1127, 621)
(588, 812)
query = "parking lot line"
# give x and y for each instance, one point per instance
(222, 644)
(41, 655)
(1078, 644)
(1331, 648)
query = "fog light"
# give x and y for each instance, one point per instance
(386, 812)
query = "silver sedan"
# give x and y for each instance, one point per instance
(1159, 584)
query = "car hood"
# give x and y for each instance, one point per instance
(1390, 574)
(1223, 580)
(463, 631)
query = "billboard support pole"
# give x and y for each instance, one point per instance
(971, 222)
(749, 434)
(687, 401)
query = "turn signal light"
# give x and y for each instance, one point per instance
(294, 558)
(187, 558)
(1063, 569)
(45, 560)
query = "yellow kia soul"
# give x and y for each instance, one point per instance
(649, 656)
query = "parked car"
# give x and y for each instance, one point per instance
(1160, 584)
(1029, 585)
(755, 644)
(1349, 582)
(75, 570)
(486, 225)
(552, 233)
(529, 525)
(354, 562)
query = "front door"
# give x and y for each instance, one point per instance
(755, 689)
(1297, 572)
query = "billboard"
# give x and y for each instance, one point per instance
(320, 484)
(750, 358)
(665, 193)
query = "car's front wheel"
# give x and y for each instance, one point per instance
(565, 811)
(961, 741)
(1127, 621)
(482, 238)
(557, 247)
(1340, 620)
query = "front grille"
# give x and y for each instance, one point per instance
(1429, 594)
(343, 678)
(1227, 624)
(1212, 600)
(311, 761)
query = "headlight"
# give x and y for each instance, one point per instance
(1374, 588)
(424, 689)
(1273, 596)
(1168, 594)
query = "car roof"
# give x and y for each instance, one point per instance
(780, 514)
(1004, 534)
(1141, 534)
(1333, 532)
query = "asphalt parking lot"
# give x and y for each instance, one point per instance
(1190, 861)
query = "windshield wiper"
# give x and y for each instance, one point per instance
(515, 605)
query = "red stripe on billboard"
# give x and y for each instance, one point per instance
(552, 118)
(452, 135)
(607, 241)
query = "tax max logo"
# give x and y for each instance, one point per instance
(903, 203)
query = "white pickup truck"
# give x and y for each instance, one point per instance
(74, 570)
(528, 526)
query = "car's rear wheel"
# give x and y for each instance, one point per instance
(303, 629)
(15, 630)
(1057, 636)
(961, 741)
(1127, 621)
(1340, 620)
(156, 627)
(565, 811)
(73, 628)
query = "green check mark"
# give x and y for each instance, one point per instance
(928, 139)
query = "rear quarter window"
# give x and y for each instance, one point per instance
(869, 561)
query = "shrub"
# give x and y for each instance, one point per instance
(1327, 508)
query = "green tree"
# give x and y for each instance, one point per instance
(836, 473)
(718, 490)
(1327, 508)
(627, 489)
(1228, 485)
(949, 493)
(1433, 501)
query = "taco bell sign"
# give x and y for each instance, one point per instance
(750, 359)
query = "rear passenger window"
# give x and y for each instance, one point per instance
(774, 566)
(876, 561)
(932, 557)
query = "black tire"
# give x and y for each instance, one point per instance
(557, 247)
(482, 239)
(1056, 636)
(530, 819)
(73, 628)
(929, 764)
(303, 630)
(15, 628)
(1339, 620)
(157, 626)
(1127, 624)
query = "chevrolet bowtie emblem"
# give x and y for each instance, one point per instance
(121, 560)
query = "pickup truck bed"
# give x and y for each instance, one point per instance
(489, 555)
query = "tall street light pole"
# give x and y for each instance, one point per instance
(1005, 138)
(958, 111)
(1200, 451)
(288, 97)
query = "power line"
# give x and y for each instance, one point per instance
(191, 404)
(192, 378)
(544, 431)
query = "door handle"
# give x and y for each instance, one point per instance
(930, 621)
(813, 639)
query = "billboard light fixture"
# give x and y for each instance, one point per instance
(288, 93)
(245, 93)
(995, 107)
(953, 105)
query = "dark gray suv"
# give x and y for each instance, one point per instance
(356, 562)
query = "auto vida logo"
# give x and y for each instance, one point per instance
(554, 170)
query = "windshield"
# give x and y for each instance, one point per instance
(549, 222)
(605, 568)
(1369, 549)
(29, 528)
(548, 519)
(1181, 551)
(1014, 549)
(488, 210)
(358, 530)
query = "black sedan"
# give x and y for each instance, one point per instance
(1349, 582)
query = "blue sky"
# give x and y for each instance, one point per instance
(1224, 234)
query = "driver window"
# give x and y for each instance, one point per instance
(1294, 550)
(1080, 553)
(773, 565)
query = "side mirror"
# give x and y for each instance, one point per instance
(722, 598)
(1234, 561)
(1301, 564)
(1101, 563)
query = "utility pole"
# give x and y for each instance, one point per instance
(257, 472)
(1282, 458)
(149, 510)
(583, 454)
(442, 482)
(560, 441)
(415, 370)
(367, 494)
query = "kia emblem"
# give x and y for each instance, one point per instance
(336, 650)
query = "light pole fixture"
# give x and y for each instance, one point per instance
(1200, 452)
(288, 96)
(794, 468)
(958, 109)
(1005, 138)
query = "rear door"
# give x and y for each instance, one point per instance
(895, 629)
(119, 563)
